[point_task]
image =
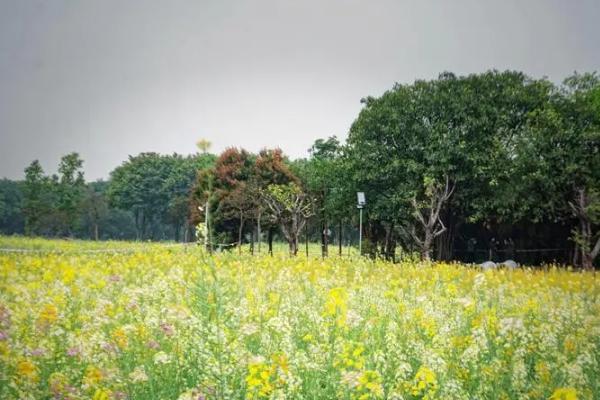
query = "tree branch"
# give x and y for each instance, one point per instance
(596, 249)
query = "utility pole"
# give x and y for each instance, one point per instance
(360, 233)
(360, 205)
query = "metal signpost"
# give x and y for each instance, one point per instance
(360, 205)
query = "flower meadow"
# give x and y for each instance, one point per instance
(152, 321)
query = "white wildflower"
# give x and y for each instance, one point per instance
(248, 329)
(161, 358)
(350, 379)
(138, 375)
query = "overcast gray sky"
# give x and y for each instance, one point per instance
(113, 78)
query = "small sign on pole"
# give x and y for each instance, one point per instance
(360, 196)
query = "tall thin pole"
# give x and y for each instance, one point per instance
(340, 238)
(306, 238)
(207, 227)
(360, 233)
(258, 228)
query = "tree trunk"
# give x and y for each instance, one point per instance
(324, 244)
(386, 243)
(426, 247)
(428, 216)
(258, 238)
(143, 225)
(425, 255)
(340, 239)
(186, 231)
(240, 230)
(96, 231)
(138, 227)
(270, 240)
(252, 241)
(587, 262)
(588, 254)
(584, 239)
(326, 238)
(390, 247)
(444, 243)
(306, 239)
(292, 236)
(293, 244)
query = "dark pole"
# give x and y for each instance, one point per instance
(252, 241)
(270, 240)
(306, 238)
(340, 238)
(323, 240)
(326, 242)
(360, 234)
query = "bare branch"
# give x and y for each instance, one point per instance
(442, 228)
(417, 211)
(596, 249)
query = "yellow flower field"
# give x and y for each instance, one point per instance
(149, 321)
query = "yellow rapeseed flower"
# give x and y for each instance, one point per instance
(93, 376)
(424, 382)
(567, 393)
(336, 305)
(258, 380)
(101, 394)
(48, 315)
(351, 357)
(369, 382)
(120, 338)
(27, 370)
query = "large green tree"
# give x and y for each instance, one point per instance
(290, 207)
(435, 149)
(557, 174)
(156, 189)
(34, 190)
(11, 198)
(232, 193)
(234, 201)
(270, 168)
(324, 176)
(138, 186)
(69, 192)
(179, 186)
(94, 208)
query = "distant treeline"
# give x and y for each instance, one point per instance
(486, 166)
